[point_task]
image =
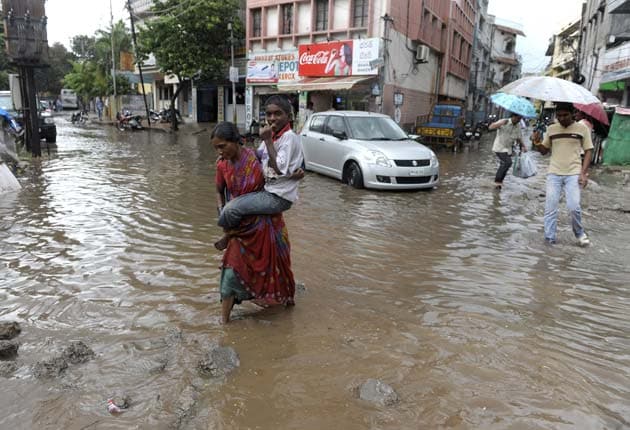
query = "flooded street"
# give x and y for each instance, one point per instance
(449, 296)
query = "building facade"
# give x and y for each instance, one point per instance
(478, 98)
(564, 52)
(505, 63)
(414, 53)
(604, 60)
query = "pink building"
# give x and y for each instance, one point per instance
(420, 53)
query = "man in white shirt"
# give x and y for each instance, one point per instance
(508, 132)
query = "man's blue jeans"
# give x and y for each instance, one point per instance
(552, 201)
(260, 203)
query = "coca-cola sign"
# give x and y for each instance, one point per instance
(339, 58)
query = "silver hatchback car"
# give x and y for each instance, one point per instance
(366, 149)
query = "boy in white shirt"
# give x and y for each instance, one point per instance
(282, 160)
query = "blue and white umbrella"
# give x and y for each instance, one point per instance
(515, 104)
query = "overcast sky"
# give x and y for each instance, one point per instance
(68, 18)
(540, 20)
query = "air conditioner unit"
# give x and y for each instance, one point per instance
(422, 54)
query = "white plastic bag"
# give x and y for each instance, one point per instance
(7, 180)
(524, 165)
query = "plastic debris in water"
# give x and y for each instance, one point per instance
(112, 407)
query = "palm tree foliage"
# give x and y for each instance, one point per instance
(190, 38)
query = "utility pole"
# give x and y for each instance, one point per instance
(232, 73)
(387, 20)
(474, 100)
(111, 21)
(26, 47)
(139, 63)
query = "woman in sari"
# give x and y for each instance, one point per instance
(256, 264)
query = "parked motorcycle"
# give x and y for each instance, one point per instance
(155, 116)
(80, 117)
(467, 134)
(165, 115)
(125, 120)
(476, 134)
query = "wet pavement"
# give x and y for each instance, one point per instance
(449, 296)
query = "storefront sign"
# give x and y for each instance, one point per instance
(339, 58)
(272, 68)
(617, 59)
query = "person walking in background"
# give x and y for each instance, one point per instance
(582, 118)
(508, 132)
(308, 111)
(99, 108)
(565, 139)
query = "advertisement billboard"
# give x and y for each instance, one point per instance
(271, 68)
(339, 58)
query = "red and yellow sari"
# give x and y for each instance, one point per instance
(257, 263)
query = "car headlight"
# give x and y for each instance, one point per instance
(49, 121)
(434, 160)
(378, 158)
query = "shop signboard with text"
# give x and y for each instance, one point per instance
(339, 58)
(271, 68)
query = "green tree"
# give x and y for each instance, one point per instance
(103, 45)
(91, 73)
(50, 79)
(4, 65)
(83, 47)
(189, 39)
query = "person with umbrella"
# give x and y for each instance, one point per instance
(567, 170)
(508, 132)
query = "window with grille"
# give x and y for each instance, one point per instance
(360, 13)
(256, 27)
(321, 17)
(287, 19)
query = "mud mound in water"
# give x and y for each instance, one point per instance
(78, 352)
(219, 362)
(9, 329)
(50, 368)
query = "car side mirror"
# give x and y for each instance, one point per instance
(341, 135)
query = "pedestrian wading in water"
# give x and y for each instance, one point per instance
(282, 158)
(508, 132)
(253, 266)
(566, 139)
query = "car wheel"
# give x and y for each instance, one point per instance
(353, 175)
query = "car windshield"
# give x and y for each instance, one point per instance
(375, 128)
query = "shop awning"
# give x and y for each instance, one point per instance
(322, 84)
(620, 75)
(612, 86)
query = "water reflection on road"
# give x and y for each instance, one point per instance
(449, 296)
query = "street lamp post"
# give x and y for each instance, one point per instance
(233, 75)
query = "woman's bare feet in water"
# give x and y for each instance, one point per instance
(222, 243)
(226, 309)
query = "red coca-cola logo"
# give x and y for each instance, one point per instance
(320, 57)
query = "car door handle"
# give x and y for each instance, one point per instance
(322, 139)
(304, 135)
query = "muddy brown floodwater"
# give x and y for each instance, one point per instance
(449, 296)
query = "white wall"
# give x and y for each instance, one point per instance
(402, 69)
(303, 18)
(272, 22)
(340, 14)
